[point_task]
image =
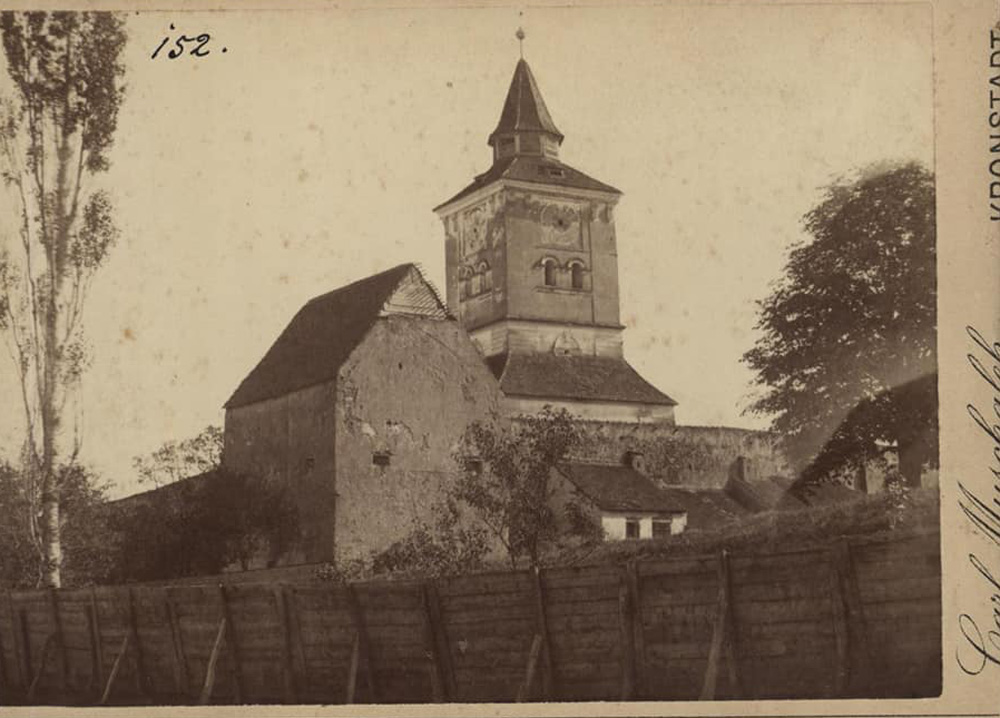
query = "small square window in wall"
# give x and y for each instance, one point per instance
(661, 528)
(381, 458)
(631, 528)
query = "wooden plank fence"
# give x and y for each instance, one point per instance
(860, 619)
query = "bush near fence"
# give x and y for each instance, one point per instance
(861, 618)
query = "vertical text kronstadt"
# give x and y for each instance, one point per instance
(994, 120)
(983, 513)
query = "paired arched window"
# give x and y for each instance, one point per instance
(551, 270)
(549, 267)
(486, 274)
(473, 283)
(464, 278)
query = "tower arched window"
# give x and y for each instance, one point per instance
(486, 276)
(549, 272)
(464, 279)
(576, 274)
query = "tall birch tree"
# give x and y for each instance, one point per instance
(56, 131)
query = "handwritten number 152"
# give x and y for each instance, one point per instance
(195, 46)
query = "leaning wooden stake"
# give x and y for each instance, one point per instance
(213, 660)
(46, 650)
(529, 677)
(115, 668)
(181, 677)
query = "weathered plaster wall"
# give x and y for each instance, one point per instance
(605, 441)
(291, 438)
(410, 389)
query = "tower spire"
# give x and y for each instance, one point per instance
(525, 126)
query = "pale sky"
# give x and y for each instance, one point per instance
(311, 153)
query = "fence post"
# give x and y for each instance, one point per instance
(22, 675)
(542, 629)
(638, 634)
(364, 648)
(58, 633)
(98, 640)
(287, 668)
(299, 652)
(231, 642)
(722, 636)
(437, 643)
(859, 656)
(141, 679)
(625, 628)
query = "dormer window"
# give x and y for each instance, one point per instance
(381, 458)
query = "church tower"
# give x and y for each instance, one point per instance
(532, 271)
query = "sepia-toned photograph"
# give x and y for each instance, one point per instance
(469, 355)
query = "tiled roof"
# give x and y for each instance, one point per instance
(326, 330)
(706, 508)
(549, 376)
(524, 109)
(763, 494)
(618, 488)
(543, 170)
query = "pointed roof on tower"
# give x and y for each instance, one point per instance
(524, 109)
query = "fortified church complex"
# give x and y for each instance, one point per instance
(360, 402)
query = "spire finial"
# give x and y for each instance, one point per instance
(520, 40)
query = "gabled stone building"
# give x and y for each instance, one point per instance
(360, 402)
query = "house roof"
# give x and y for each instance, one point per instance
(524, 109)
(326, 330)
(531, 168)
(763, 494)
(618, 488)
(705, 508)
(586, 378)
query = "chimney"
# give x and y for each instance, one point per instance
(636, 460)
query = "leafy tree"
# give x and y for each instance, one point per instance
(56, 132)
(446, 547)
(177, 460)
(506, 481)
(202, 525)
(853, 324)
(87, 539)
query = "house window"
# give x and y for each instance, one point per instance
(576, 273)
(549, 269)
(381, 458)
(661, 528)
(474, 465)
(631, 528)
